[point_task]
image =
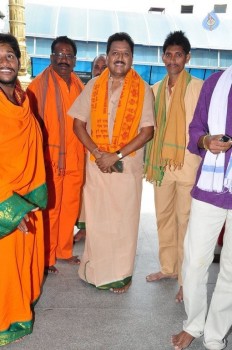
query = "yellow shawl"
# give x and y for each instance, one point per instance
(168, 146)
(128, 114)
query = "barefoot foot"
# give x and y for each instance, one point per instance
(74, 260)
(157, 276)
(179, 295)
(81, 234)
(121, 290)
(182, 340)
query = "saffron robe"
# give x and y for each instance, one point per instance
(50, 98)
(22, 189)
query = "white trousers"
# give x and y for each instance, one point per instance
(204, 227)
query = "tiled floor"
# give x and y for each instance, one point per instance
(71, 315)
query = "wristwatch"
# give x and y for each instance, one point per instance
(119, 154)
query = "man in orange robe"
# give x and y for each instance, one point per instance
(22, 193)
(51, 94)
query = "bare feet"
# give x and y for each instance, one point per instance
(80, 235)
(52, 270)
(182, 340)
(74, 260)
(157, 276)
(17, 340)
(179, 295)
(121, 290)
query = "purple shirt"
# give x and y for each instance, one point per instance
(199, 127)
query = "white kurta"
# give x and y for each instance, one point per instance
(112, 202)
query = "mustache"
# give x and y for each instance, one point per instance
(64, 64)
(121, 62)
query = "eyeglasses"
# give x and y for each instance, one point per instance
(10, 57)
(61, 55)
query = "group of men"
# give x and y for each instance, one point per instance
(103, 127)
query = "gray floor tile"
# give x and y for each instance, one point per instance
(72, 315)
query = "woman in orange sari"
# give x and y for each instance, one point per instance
(22, 193)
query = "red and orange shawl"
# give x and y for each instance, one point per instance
(45, 87)
(128, 114)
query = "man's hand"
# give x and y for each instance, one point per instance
(23, 224)
(214, 145)
(106, 161)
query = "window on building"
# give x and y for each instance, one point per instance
(30, 45)
(157, 73)
(220, 8)
(225, 58)
(43, 47)
(186, 8)
(101, 48)
(86, 50)
(145, 54)
(157, 9)
(204, 58)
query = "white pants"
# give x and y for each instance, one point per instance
(204, 227)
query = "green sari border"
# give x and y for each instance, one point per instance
(116, 284)
(80, 225)
(13, 209)
(15, 331)
(38, 196)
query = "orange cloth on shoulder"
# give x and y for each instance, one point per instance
(128, 114)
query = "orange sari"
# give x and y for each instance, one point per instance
(22, 189)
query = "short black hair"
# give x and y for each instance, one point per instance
(65, 40)
(177, 38)
(7, 38)
(121, 36)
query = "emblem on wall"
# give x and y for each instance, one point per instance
(211, 21)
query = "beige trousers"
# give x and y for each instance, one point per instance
(172, 203)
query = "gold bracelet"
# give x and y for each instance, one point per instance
(203, 142)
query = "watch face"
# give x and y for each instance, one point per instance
(119, 154)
